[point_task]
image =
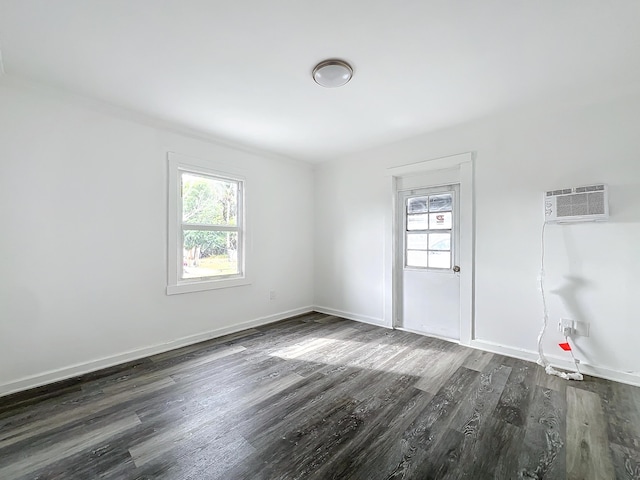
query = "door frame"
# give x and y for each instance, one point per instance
(463, 164)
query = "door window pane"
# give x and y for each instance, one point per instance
(440, 221)
(418, 222)
(440, 259)
(440, 203)
(417, 258)
(417, 205)
(440, 241)
(417, 241)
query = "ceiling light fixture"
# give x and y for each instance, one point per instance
(332, 73)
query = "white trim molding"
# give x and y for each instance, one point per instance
(631, 378)
(76, 99)
(430, 335)
(379, 322)
(76, 370)
(2, 72)
(464, 163)
(177, 165)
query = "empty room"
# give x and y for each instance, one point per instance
(319, 240)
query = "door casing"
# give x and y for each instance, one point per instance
(445, 170)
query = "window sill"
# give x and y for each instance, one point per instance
(201, 286)
(429, 270)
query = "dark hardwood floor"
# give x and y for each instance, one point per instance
(318, 397)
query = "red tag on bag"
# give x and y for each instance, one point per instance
(565, 346)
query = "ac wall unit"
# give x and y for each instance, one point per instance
(578, 204)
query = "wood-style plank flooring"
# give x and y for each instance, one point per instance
(319, 397)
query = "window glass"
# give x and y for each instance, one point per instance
(440, 221)
(418, 222)
(209, 253)
(440, 241)
(417, 205)
(208, 201)
(417, 258)
(209, 210)
(440, 259)
(417, 241)
(429, 229)
(440, 203)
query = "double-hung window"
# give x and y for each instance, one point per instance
(206, 228)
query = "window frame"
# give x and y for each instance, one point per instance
(431, 192)
(178, 165)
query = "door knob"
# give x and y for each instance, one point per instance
(456, 268)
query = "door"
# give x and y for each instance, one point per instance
(428, 255)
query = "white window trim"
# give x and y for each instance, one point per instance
(175, 285)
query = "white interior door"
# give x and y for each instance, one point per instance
(428, 254)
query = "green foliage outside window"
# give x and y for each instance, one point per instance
(207, 201)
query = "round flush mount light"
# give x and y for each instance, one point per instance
(332, 73)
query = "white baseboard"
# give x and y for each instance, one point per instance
(379, 322)
(71, 371)
(558, 362)
(430, 335)
(529, 355)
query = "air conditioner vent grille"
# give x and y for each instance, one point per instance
(581, 204)
(577, 204)
(566, 191)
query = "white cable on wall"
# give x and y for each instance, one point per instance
(542, 360)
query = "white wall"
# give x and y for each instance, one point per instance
(83, 210)
(519, 156)
(83, 242)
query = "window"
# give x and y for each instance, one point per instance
(206, 228)
(428, 231)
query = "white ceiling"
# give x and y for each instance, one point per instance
(241, 70)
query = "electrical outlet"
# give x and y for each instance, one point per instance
(566, 327)
(272, 295)
(573, 327)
